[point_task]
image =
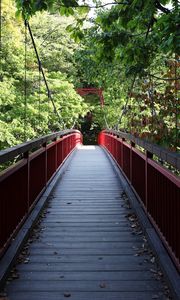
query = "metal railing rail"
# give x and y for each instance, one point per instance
(165, 155)
(22, 183)
(157, 188)
(10, 153)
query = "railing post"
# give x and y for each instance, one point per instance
(122, 155)
(131, 158)
(45, 148)
(148, 155)
(26, 156)
(61, 149)
(115, 147)
(119, 146)
(55, 140)
(71, 143)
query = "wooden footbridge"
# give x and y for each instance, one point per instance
(89, 222)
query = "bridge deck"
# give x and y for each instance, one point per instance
(85, 247)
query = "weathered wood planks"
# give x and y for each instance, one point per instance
(85, 248)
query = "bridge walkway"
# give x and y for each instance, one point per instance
(87, 244)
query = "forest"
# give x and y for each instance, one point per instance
(130, 49)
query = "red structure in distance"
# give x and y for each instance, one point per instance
(97, 91)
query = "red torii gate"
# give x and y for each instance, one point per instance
(97, 91)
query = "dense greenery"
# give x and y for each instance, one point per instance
(130, 49)
(25, 118)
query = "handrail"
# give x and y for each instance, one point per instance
(162, 153)
(157, 188)
(22, 183)
(10, 153)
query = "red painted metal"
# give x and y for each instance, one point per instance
(119, 152)
(22, 184)
(157, 188)
(13, 208)
(38, 174)
(137, 168)
(163, 205)
(126, 159)
(59, 152)
(51, 159)
(97, 91)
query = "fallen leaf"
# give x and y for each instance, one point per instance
(135, 248)
(15, 276)
(155, 297)
(102, 285)
(132, 218)
(153, 271)
(138, 232)
(152, 260)
(30, 241)
(67, 295)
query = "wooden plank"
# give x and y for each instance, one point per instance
(84, 286)
(90, 239)
(88, 245)
(88, 213)
(47, 250)
(110, 276)
(97, 225)
(100, 259)
(87, 234)
(130, 295)
(92, 227)
(86, 229)
(84, 219)
(98, 267)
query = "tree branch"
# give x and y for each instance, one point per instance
(161, 8)
(150, 25)
(97, 6)
(106, 4)
(165, 79)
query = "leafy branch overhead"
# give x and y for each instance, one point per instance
(66, 7)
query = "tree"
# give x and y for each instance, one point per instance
(26, 111)
(137, 63)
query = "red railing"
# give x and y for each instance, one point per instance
(157, 188)
(22, 184)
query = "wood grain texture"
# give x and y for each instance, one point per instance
(85, 248)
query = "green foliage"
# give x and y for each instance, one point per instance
(20, 121)
(66, 7)
(129, 51)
